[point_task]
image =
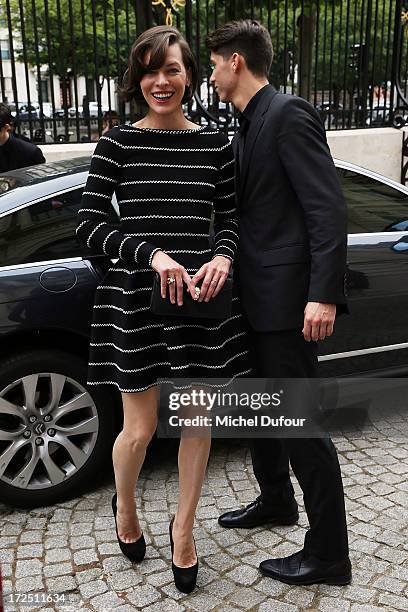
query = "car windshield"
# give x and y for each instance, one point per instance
(40, 173)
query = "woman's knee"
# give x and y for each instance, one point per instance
(138, 439)
(140, 417)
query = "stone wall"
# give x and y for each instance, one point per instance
(378, 149)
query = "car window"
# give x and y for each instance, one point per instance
(372, 206)
(43, 231)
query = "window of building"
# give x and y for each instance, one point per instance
(90, 90)
(44, 90)
(4, 49)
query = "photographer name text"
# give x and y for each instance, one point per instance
(237, 421)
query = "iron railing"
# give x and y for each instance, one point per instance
(61, 60)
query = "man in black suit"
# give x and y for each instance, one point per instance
(15, 151)
(291, 277)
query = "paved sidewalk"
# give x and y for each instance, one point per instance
(71, 548)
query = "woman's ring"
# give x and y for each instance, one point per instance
(171, 280)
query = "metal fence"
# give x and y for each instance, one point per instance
(61, 60)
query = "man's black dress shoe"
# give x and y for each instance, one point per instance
(302, 569)
(134, 551)
(257, 513)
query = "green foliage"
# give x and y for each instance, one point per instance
(335, 61)
(98, 44)
(75, 36)
(335, 29)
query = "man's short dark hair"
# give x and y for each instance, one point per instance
(247, 37)
(5, 115)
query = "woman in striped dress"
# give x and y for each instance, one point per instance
(169, 176)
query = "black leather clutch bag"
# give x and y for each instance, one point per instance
(218, 307)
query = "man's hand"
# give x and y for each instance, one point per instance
(319, 321)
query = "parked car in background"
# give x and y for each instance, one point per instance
(330, 114)
(338, 117)
(72, 111)
(28, 111)
(93, 110)
(56, 433)
(60, 113)
(47, 136)
(32, 111)
(378, 115)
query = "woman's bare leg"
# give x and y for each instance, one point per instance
(193, 456)
(129, 451)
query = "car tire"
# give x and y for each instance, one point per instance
(46, 375)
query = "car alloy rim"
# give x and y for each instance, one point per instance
(48, 429)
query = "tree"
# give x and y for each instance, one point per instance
(315, 38)
(75, 37)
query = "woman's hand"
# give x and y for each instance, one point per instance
(214, 273)
(168, 268)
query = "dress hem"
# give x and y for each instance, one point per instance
(171, 382)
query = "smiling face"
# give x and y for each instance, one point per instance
(224, 76)
(164, 88)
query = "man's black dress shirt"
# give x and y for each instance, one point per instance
(18, 153)
(244, 121)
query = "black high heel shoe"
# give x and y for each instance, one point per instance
(134, 551)
(185, 578)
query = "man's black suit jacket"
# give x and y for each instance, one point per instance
(18, 153)
(292, 213)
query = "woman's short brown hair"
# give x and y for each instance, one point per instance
(157, 40)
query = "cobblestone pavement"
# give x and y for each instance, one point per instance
(71, 548)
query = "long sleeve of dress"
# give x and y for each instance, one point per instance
(93, 229)
(225, 213)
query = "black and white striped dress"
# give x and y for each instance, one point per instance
(167, 183)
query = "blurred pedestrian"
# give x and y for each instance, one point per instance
(110, 120)
(15, 152)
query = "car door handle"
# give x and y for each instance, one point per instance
(400, 247)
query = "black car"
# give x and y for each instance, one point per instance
(55, 433)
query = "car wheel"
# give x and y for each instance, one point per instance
(55, 434)
(61, 138)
